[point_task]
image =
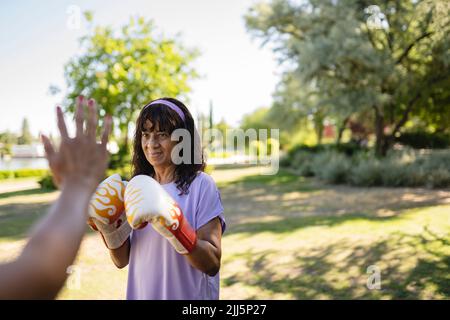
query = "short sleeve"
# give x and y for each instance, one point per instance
(209, 203)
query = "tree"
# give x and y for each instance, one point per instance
(223, 127)
(210, 119)
(390, 57)
(263, 119)
(7, 139)
(25, 137)
(296, 103)
(125, 69)
(258, 119)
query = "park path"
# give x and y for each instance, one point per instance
(18, 185)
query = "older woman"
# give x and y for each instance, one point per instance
(156, 269)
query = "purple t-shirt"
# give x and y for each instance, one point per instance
(156, 271)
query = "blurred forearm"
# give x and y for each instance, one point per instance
(36, 274)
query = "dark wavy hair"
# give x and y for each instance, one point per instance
(168, 120)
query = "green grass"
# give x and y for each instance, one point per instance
(321, 248)
(283, 181)
(17, 219)
(314, 258)
(19, 210)
(35, 191)
(289, 238)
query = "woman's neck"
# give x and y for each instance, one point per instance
(164, 174)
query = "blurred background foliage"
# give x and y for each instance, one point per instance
(363, 84)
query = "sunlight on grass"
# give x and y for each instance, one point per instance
(94, 275)
(330, 259)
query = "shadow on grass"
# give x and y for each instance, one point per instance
(282, 181)
(320, 278)
(302, 202)
(16, 219)
(233, 166)
(28, 192)
(291, 224)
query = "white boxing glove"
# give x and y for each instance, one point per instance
(107, 212)
(147, 202)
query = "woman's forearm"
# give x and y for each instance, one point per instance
(205, 257)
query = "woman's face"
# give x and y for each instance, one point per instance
(157, 146)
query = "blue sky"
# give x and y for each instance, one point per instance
(36, 42)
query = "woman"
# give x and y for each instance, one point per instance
(156, 269)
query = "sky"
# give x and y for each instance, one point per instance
(37, 38)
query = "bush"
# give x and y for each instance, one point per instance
(285, 161)
(124, 172)
(306, 148)
(415, 176)
(303, 162)
(332, 167)
(209, 169)
(46, 182)
(406, 168)
(366, 173)
(424, 140)
(436, 166)
(350, 148)
(22, 173)
(439, 178)
(6, 174)
(394, 174)
(397, 169)
(119, 160)
(436, 159)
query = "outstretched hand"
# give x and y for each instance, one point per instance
(80, 160)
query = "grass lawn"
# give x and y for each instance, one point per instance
(287, 238)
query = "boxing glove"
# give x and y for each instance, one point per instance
(146, 201)
(107, 212)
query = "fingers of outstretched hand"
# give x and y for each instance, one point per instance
(91, 120)
(106, 130)
(91, 126)
(81, 159)
(48, 147)
(79, 115)
(52, 158)
(61, 123)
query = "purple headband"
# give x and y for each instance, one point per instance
(169, 104)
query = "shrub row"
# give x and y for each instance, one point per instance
(406, 168)
(22, 173)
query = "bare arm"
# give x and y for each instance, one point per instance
(207, 253)
(40, 271)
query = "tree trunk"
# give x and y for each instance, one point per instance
(319, 132)
(125, 147)
(318, 127)
(124, 150)
(381, 144)
(125, 143)
(341, 131)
